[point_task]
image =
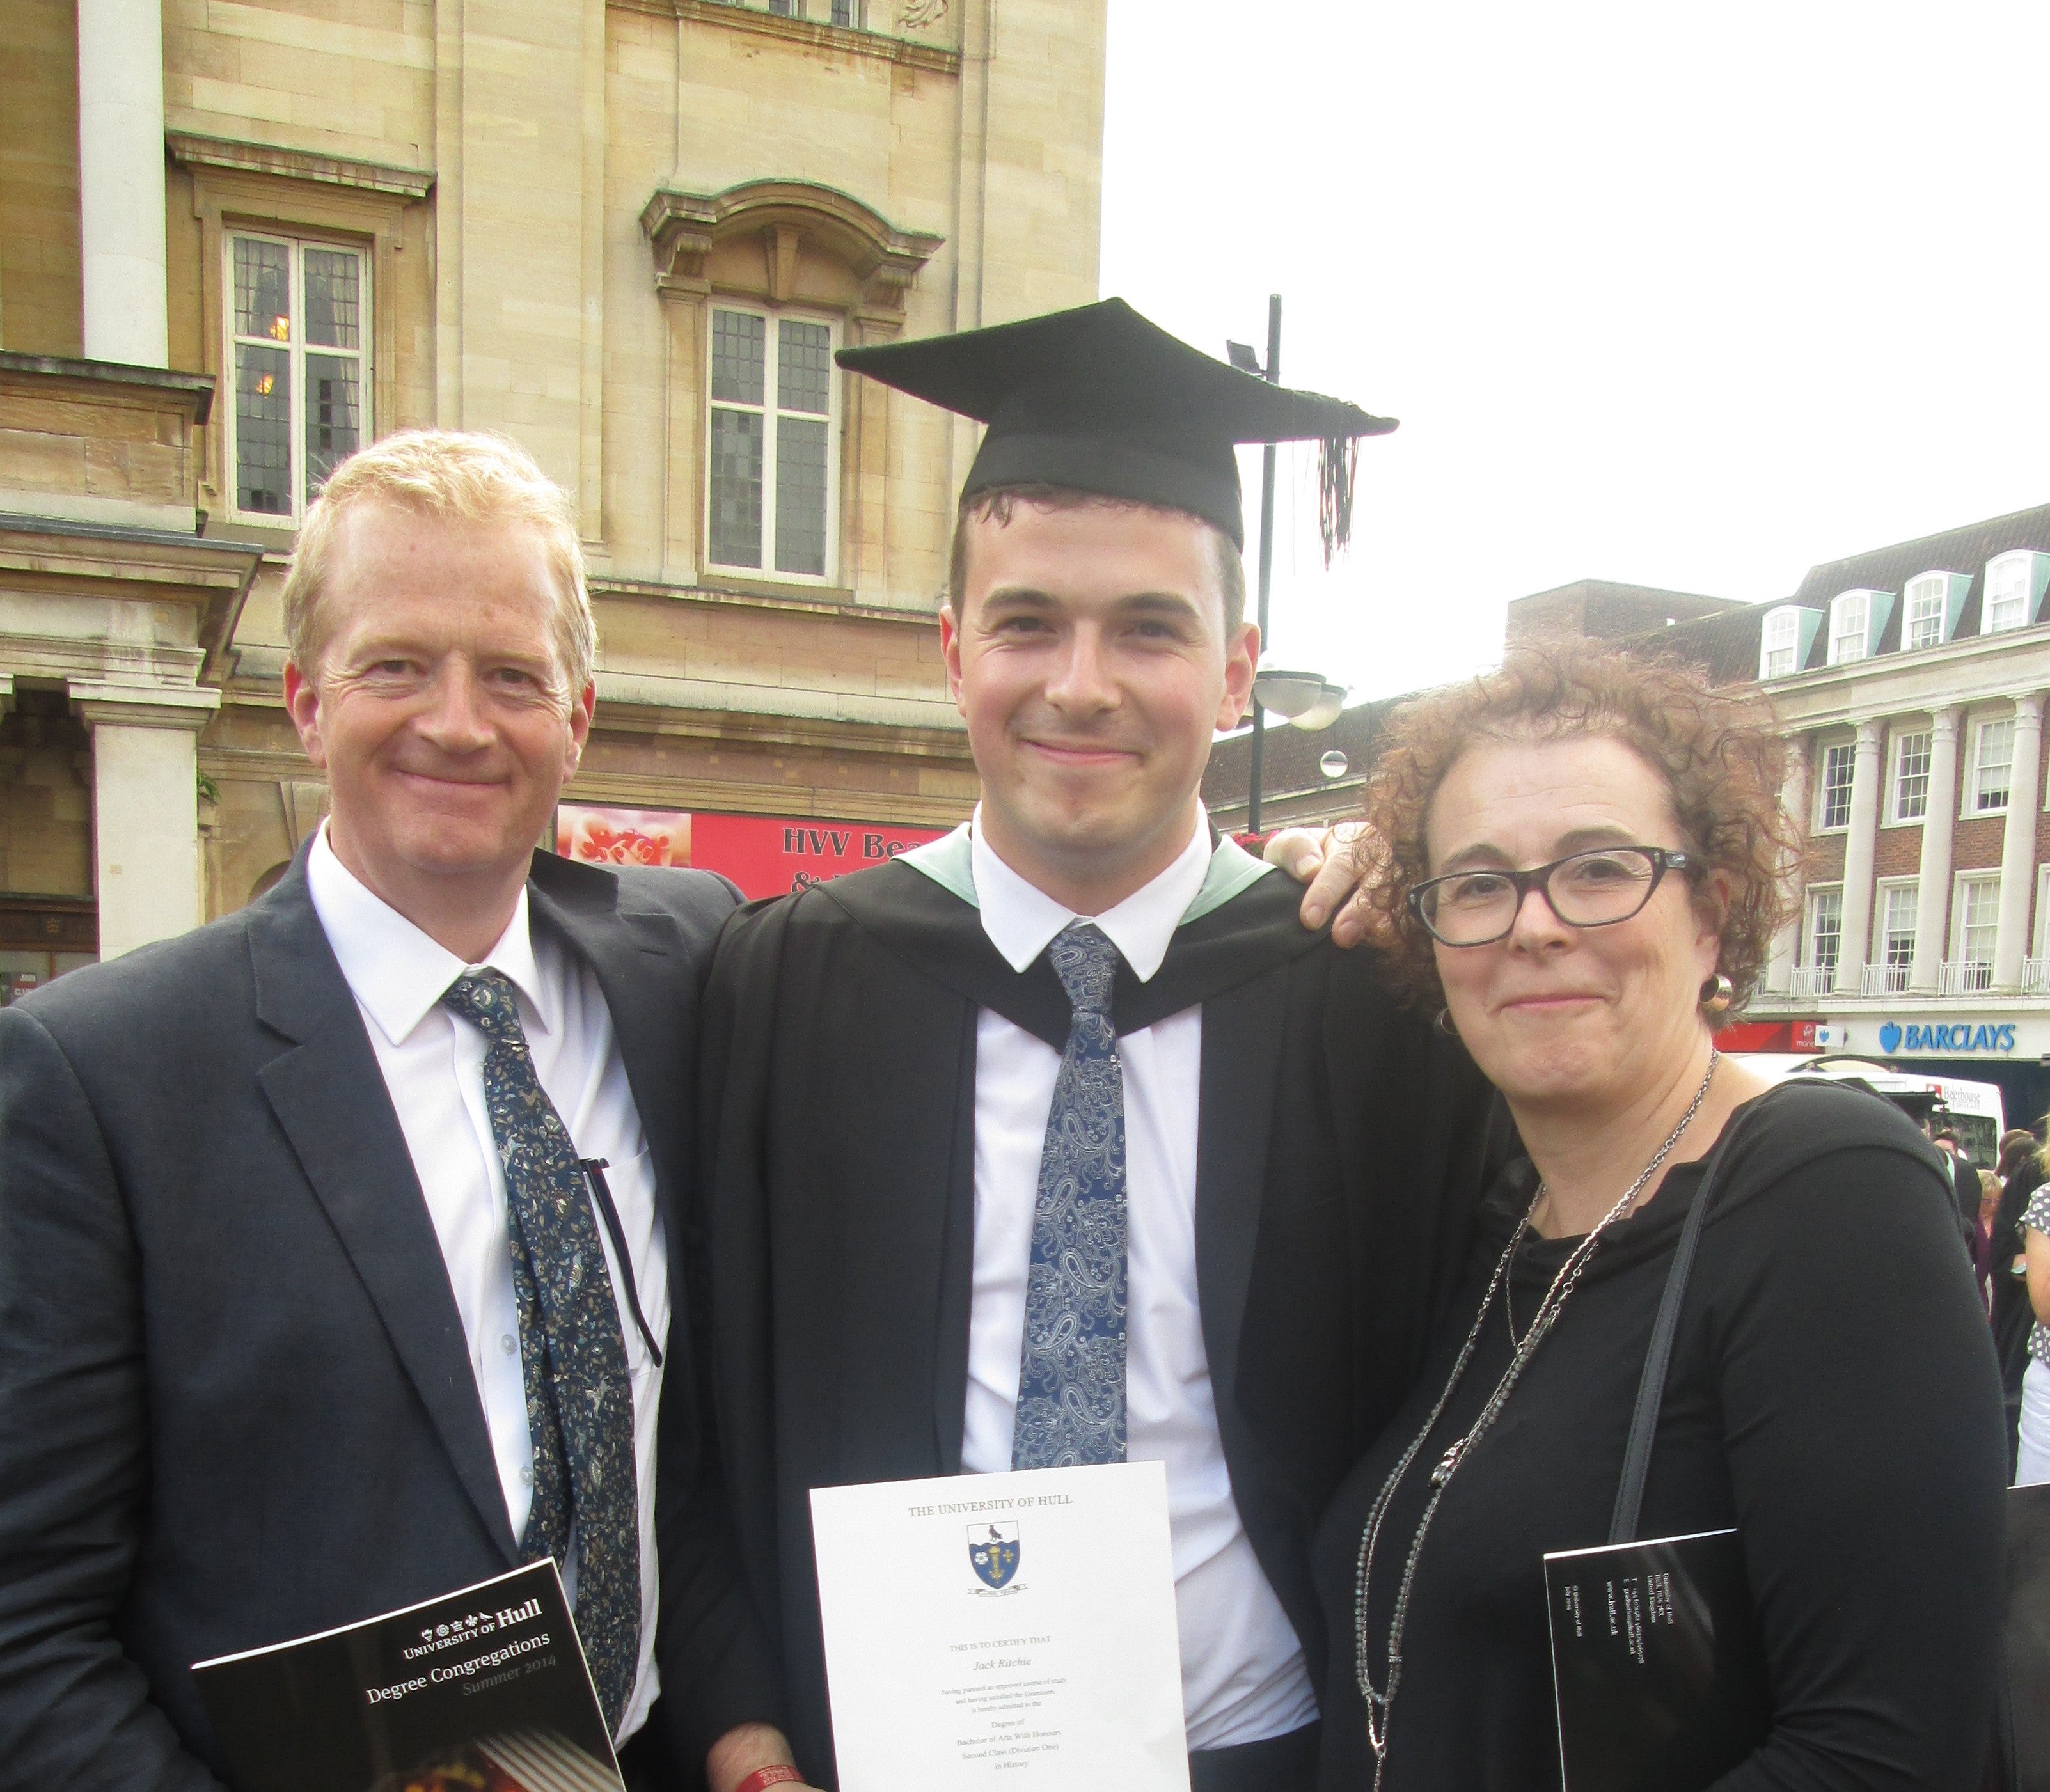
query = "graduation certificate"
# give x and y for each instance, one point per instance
(1012, 1631)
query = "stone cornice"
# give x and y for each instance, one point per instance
(841, 718)
(46, 656)
(621, 715)
(94, 560)
(132, 706)
(828, 602)
(183, 565)
(191, 393)
(192, 151)
(1980, 669)
(735, 17)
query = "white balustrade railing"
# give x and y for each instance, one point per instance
(1813, 979)
(1885, 979)
(1967, 976)
(2035, 977)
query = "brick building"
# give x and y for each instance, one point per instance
(236, 241)
(1302, 782)
(1913, 679)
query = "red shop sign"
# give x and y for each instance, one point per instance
(766, 856)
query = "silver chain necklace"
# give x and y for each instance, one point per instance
(1380, 1705)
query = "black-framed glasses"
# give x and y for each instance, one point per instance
(1596, 888)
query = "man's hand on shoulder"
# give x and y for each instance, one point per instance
(742, 1751)
(1334, 863)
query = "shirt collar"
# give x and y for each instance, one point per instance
(397, 971)
(1021, 919)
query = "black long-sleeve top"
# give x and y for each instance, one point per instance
(2014, 1317)
(1833, 1394)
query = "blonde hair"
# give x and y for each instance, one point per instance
(469, 475)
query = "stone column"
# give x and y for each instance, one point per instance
(145, 808)
(1786, 942)
(121, 180)
(1932, 894)
(1858, 847)
(685, 315)
(2017, 850)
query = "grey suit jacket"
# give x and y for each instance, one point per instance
(235, 1398)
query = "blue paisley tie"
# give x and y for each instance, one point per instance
(579, 1390)
(1071, 1376)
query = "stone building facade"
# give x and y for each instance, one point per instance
(236, 241)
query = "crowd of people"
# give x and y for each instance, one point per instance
(455, 1207)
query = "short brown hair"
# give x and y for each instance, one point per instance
(1720, 754)
(470, 474)
(999, 501)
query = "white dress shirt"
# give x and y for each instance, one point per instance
(434, 1068)
(1243, 1676)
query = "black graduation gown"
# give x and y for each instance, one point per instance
(1343, 1146)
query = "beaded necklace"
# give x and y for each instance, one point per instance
(1380, 1704)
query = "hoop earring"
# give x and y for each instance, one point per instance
(1443, 1021)
(1717, 993)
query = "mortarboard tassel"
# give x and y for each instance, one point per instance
(1338, 462)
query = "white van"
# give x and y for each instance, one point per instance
(1974, 1111)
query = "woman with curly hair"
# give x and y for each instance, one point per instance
(1584, 861)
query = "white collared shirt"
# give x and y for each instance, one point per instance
(1243, 1675)
(434, 1069)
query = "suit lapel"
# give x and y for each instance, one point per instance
(628, 951)
(329, 1095)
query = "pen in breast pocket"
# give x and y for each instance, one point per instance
(594, 1169)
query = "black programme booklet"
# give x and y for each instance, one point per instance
(1656, 1663)
(485, 1689)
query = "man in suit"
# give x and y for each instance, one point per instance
(339, 1240)
(1060, 1141)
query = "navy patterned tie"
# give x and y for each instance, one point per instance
(579, 1390)
(1071, 1375)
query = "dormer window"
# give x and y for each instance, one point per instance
(1933, 601)
(1849, 616)
(1784, 640)
(1857, 620)
(2013, 589)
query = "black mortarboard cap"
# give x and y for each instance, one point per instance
(1098, 399)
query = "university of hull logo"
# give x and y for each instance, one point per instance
(992, 1552)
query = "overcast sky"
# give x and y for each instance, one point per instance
(1691, 297)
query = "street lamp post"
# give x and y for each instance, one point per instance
(1241, 357)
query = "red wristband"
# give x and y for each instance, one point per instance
(763, 1777)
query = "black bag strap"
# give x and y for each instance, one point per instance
(1651, 1385)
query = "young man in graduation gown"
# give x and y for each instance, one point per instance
(1082, 1016)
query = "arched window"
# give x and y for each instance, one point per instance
(767, 281)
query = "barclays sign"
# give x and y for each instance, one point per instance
(1955, 1036)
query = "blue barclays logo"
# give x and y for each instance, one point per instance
(1958, 1036)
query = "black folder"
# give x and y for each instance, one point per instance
(1657, 1665)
